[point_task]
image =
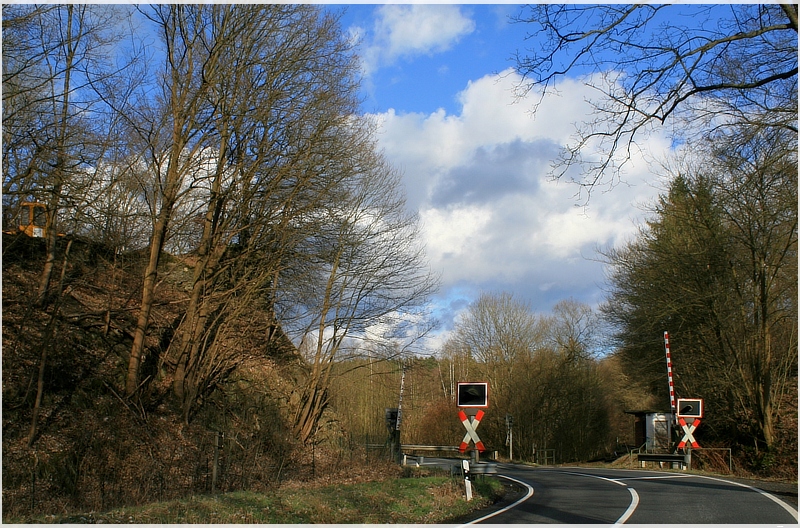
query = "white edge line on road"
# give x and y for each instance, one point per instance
(775, 499)
(615, 481)
(634, 496)
(631, 508)
(527, 496)
(659, 477)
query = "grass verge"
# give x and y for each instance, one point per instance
(411, 500)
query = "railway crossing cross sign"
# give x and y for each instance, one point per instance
(687, 436)
(472, 396)
(471, 424)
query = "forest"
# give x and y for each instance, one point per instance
(211, 282)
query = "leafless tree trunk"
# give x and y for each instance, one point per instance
(47, 345)
(192, 59)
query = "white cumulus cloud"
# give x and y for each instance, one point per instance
(406, 31)
(492, 216)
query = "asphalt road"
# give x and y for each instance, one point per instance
(617, 496)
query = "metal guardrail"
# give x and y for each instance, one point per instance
(413, 447)
(483, 468)
(476, 468)
(417, 447)
(661, 457)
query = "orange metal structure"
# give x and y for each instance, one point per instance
(33, 219)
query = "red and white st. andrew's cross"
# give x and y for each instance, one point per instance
(471, 424)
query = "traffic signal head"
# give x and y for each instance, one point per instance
(473, 394)
(690, 408)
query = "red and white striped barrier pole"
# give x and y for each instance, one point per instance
(669, 378)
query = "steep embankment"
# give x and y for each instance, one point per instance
(93, 448)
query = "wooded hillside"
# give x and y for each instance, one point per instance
(206, 188)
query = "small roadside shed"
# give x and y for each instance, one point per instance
(653, 429)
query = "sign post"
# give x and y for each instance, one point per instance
(391, 417)
(472, 397)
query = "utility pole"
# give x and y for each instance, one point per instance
(396, 433)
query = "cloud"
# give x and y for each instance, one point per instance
(407, 31)
(494, 171)
(493, 219)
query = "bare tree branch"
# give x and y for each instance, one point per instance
(650, 64)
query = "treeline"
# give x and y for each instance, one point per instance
(716, 266)
(567, 379)
(548, 371)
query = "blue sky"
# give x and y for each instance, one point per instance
(475, 160)
(425, 75)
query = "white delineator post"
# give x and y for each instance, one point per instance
(467, 481)
(669, 378)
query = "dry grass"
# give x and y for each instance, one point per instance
(424, 499)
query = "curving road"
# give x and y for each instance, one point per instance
(617, 496)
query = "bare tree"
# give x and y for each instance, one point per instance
(173, 130)
(498, 332)
(574, 329)
(55, 124)
(371, 273)
(724, 65)
(280, 144)
(24, 103)
(758, 185)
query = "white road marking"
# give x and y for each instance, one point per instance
(615, 481)
(527, 496)
(634, 496)
(631, 508)
(775, 499)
